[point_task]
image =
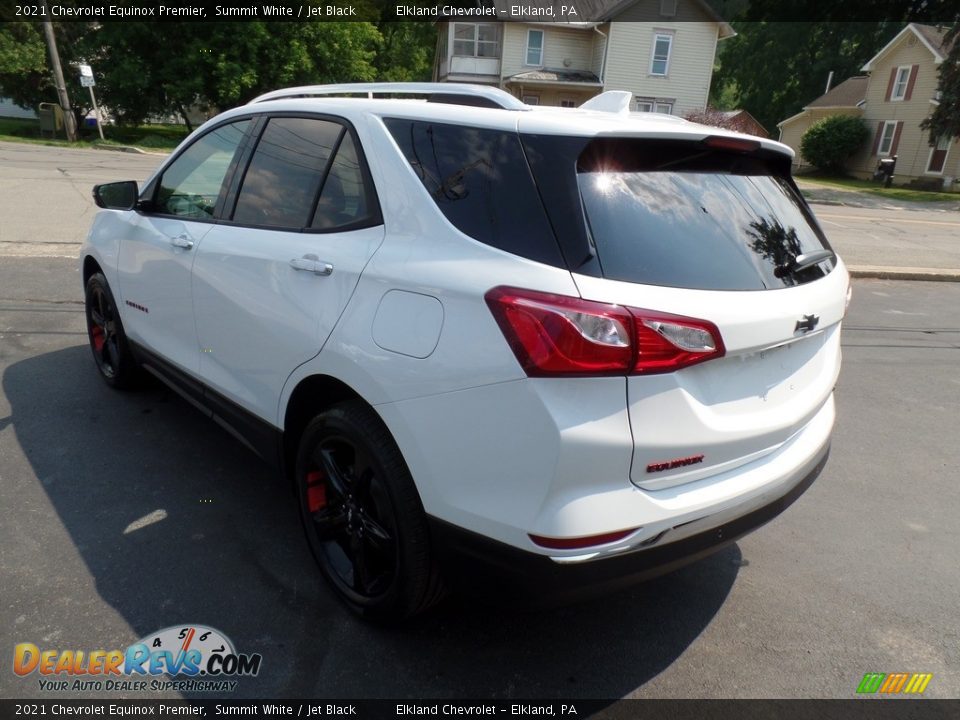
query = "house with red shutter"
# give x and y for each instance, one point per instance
(897, 93)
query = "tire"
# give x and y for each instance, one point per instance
(108, 342)
(363, 517)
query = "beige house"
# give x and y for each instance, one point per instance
(661, 51)
(847, 98)
(898, 93)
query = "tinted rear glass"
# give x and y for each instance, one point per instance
(683, 215)
(480, 180)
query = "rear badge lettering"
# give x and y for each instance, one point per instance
(141, 308)
(673, 464)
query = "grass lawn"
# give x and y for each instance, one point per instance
(893, 193)
(146, 137)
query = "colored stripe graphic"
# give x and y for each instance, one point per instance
(871, 682)
(893, 683)
(918, 683)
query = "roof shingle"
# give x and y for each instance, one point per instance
(847, 94)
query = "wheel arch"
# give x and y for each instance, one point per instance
(312, 395)
(90, 267)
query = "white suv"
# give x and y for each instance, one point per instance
(569, 349)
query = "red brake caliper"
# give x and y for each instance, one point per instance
(96, 332)
(316, 491)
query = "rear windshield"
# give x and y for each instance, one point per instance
(680, 214)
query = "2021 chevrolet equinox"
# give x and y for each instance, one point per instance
(567, 348)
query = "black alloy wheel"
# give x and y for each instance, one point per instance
(362, 515)
(108, 342)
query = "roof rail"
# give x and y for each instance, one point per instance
(453, 93)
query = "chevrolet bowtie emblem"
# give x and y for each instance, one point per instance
(808, 323)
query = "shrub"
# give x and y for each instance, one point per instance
(828, 143)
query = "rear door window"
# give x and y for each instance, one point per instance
(346, 198)
(680, 214)
(281, 185)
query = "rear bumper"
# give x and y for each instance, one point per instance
(486, 568)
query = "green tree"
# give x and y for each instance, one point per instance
(408, 51)
(777, 67)
(162, 68)
(945, 118)
(829, 142)
(25, 75)
(22, 49)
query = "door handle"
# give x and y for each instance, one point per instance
(182, 241)
(311, 263)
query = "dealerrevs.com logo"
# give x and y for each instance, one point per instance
(183, 658)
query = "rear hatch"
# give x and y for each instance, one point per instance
(736, 296)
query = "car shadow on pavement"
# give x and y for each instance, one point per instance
(178, 523)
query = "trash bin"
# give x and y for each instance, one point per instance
(885, 169)
(51, 118)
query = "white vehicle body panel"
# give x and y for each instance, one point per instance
(491, 450)
(155, 274)
(257, 317)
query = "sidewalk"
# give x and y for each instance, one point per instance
(820, 194)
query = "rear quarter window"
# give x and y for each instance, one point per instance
(480, 180)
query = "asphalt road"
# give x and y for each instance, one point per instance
(45, 199)
(899, 238)
(121, 514)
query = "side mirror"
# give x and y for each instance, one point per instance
(116, 195)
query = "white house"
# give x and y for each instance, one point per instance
(661, 51)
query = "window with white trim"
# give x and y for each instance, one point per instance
(534, 48)
(886, 137)
(900, 83)
(531, 99)
(476, 40)
(660, 57)
(655, 105)
(938, 155)
(568, 103)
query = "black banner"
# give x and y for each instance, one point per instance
(561, 11)
(859, 709)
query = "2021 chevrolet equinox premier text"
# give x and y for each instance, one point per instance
(567, 348)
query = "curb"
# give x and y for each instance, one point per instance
(898, 273)
(126, 149)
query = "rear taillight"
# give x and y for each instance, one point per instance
(669, 342)
(556, 335)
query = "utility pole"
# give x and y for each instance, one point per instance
(69, 120)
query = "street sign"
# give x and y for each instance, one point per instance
(87, 81)
(86, 76)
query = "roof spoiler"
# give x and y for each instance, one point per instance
(611, 101)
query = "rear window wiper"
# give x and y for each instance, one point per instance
(803, 261)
